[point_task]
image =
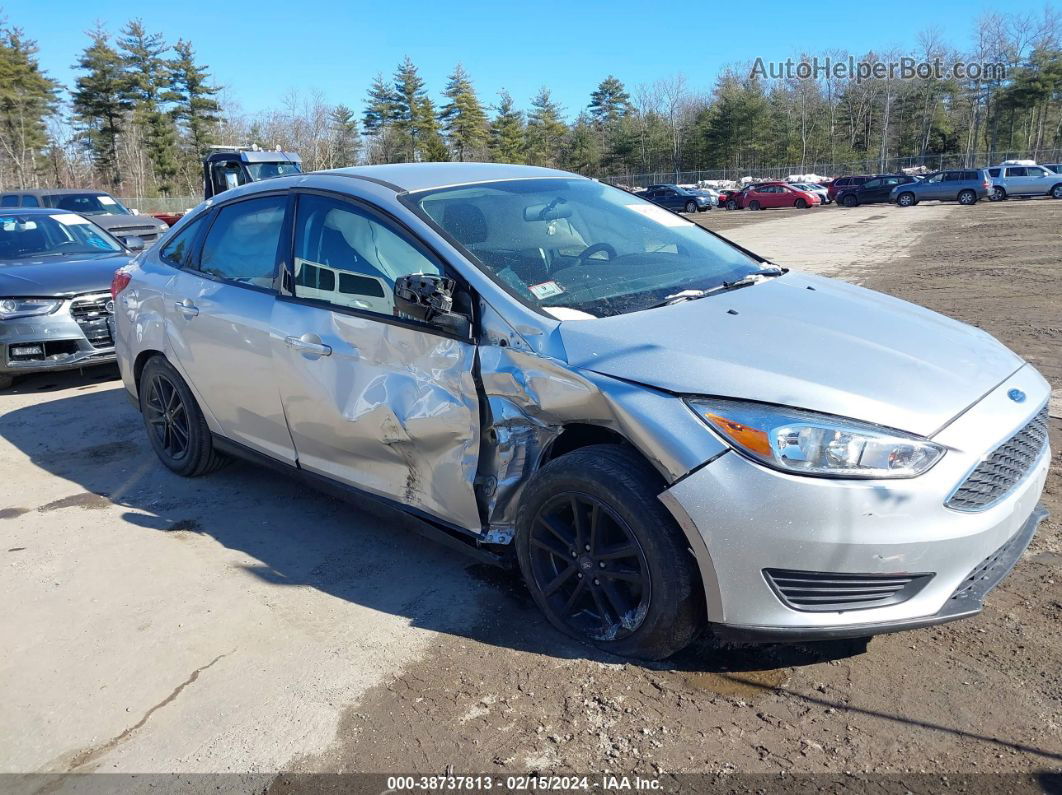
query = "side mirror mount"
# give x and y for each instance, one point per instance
(134, 243)
(429, 297)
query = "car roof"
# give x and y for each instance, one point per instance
(53, 191)
(33, 211)
(425, 176)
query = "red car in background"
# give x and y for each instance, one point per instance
(774, 194)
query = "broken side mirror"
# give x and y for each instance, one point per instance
(428, 297)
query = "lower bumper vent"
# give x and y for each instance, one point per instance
(820, 591)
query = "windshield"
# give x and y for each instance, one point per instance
(87, 203)
(578, 244)
(260, 171)
(38, 235)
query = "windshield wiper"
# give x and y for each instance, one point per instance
(745, 281)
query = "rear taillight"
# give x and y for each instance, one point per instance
(119, 282)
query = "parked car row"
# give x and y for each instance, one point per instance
(965, 186)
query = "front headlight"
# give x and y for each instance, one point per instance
(806, 443)
(25, 307)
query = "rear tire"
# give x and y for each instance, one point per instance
(998, 194)
(967, 197)
(906, 199)
(850, 201)
(175, 425)
(603, 558)
(754, 205)
(6, 381)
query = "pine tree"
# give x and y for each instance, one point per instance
(507, 132)
(380, 106)
(101, 99)
(27, 98)
(195, 106)
(431, 146)
(409, 117)
(582, 153)
(141, 54)
(463, 118)
(545, 130)
(609, 102)
(346, 143)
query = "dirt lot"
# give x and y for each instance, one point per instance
(238, 623)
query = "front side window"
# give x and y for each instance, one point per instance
(33, 236)
(9, 201)
(874, 183)
(30, 201)
(579, 244)
(242, 243)
(87, 203)
(177, 250)
(348, 257)
(935, 177)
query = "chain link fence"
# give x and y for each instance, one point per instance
(762, 173)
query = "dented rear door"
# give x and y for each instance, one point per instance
(376, 402)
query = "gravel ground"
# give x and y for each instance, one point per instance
(239, 623)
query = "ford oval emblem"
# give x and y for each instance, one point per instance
(1016, 395)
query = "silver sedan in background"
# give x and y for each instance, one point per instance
(660, 429)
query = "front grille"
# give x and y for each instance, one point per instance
(819, 591)
(1001, 471)
(91, 313)
(147, 233)
(985, 571)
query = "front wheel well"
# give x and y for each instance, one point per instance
(578, 435)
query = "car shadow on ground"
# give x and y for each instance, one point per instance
(361, 552)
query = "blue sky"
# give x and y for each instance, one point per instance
(262, 49)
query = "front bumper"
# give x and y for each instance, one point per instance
(743, 518)
(65, 343)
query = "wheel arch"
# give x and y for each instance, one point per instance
(140, 363)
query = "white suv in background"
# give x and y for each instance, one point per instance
(1012, 179)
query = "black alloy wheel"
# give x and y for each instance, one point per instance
(589, 566)
(167, 417)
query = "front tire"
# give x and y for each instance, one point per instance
(906, 199)
(174, 422)
(603, 558)
(691, 206)
(6, 381)
(731, 204)
(800, 204)
(1056, 191)
(850, 201)
(754, 205)
(967, 197)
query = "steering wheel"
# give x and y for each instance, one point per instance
(589, 251)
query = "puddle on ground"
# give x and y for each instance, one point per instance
(745, 685)
(12, 513)
(86, 500)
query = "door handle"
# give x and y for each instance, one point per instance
(308, 343)
(186, 308)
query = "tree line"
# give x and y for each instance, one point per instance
(142, 112)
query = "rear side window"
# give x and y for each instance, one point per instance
(11, 200)
(30, 201)
(346, 256)
(176, 252)
(241, 245)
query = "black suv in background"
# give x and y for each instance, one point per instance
(876, 189)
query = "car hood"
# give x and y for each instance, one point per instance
(112, 222)
(50, 277)
(802, 341)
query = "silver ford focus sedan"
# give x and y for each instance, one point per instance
(660, 428)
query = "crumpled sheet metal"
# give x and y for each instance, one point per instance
(532, 398)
